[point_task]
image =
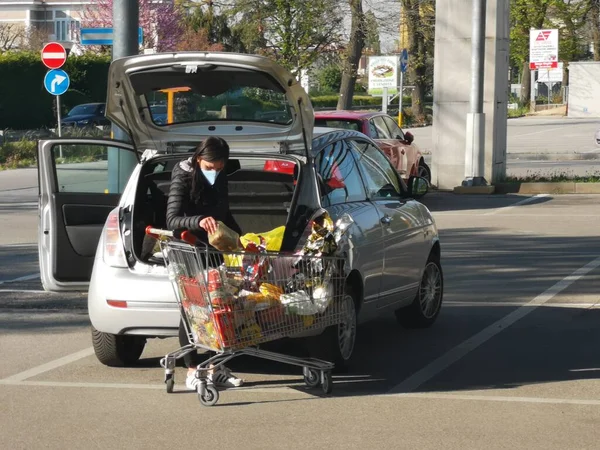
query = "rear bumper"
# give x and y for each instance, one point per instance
(151, 308)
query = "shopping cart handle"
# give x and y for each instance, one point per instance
(156, 232)
(188, 237)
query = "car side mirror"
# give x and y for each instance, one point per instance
(417, 187)
(408, 137)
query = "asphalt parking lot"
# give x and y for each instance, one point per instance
(512, 361)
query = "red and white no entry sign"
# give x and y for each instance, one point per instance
(54, 55)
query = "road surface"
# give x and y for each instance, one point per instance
(533, 137)
(512, 361)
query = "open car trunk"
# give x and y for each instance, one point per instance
(260, 200)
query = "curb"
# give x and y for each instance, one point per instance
(567, 187)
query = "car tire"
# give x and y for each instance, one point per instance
(117, 350)
(424, 171)
(336, 343)
(426, 306)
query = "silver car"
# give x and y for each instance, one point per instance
(98, 196)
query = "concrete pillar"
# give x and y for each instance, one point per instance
(452, 87)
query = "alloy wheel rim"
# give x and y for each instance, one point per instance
(431, 290)
(347, 329)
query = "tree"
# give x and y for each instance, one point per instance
(198, 41)
(352, 54)
(419, 18)
(161, 22)
(294, 32)
(594, 15)
(207, 20)
(10, 36)
(569, 17)
(524, 15)
(372, 41)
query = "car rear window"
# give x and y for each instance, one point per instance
(343, 124)
(215, 95)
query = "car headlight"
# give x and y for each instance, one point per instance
(83, 122)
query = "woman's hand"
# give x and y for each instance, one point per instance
(209, 224)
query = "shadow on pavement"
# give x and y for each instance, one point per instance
(447, 201)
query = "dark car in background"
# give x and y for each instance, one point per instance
(86, 115)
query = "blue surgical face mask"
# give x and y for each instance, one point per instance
(210, 175)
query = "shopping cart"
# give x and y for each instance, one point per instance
(231, 302)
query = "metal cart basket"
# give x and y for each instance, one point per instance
(232, 302)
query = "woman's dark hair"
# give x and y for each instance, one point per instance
(212, 149)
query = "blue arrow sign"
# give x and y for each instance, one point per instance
(103, 36)
(57, 82)
(404, 60)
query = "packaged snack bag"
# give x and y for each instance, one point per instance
(224, 239)
(225, 324)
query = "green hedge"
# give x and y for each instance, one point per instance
(25, 104)
(18, 154)
(330, 101)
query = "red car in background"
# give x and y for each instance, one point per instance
(397, 145)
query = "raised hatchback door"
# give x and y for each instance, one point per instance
(76, 195)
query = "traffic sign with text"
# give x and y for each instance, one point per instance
(543, 49)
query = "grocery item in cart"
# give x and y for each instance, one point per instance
(272, 239)
(224, 239)
(255, 265)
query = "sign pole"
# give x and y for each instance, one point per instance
(401, 98)
(60, 152)
(384, 100)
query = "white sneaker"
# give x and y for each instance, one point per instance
(191, 382)
(222, 377)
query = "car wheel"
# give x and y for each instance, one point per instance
(425, 308)
(117, 350)
(336, 343)
(424, 171)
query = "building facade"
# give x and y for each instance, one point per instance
(58, 20)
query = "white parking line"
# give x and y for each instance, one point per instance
(24, 291)
(522, 202)
(458, 304)
(460, 351)
(33, 276)
(30, 373)
(500, 398)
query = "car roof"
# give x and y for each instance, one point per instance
(345, 114)
(325, 135)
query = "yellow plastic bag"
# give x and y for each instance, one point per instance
(273, 239)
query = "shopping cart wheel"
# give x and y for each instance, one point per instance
(170, 382)
(327, 382)
(311, 377)
(210, 397)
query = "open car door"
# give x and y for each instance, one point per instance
(76, 195)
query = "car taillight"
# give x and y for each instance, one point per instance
(117, 303)
(114, 254)
(279, 166)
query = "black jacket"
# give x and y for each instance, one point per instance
(183, 212)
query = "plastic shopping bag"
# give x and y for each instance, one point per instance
(273, 239)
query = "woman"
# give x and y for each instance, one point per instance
(198, 199)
